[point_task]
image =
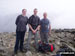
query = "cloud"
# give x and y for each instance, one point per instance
(61, 13)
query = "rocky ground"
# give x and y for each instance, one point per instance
(58, 37)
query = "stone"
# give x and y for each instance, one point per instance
(28, 53)
(58, 36)
(74, 38)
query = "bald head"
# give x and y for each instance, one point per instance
(45, 15)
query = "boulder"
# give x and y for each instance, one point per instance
(28, 53)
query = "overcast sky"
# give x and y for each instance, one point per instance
(61, 13)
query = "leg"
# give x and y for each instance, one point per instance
(22, 40)
(46, 38)
(36, 39)
(17, 41)
(42, 37)
(29, 40)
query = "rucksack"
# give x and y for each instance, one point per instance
(46, 47)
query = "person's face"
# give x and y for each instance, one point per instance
(45, 15)
(24, 12)
(35, 12)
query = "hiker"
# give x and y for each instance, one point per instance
(34, 25)
(45, 29)
(21, 23)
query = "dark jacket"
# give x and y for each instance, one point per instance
(34, 21)
(21, 23)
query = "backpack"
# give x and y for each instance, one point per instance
(45, 47)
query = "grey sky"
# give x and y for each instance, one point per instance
(61, 13)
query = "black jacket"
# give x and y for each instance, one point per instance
(21, 23)
(34, 21)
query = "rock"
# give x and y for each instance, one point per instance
(58, 37)
(2, 49)
(38, 54)
(61, 35)
(58, 42)
(74, 38)
(28, 53)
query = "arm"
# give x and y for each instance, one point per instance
(27, 21)
(50, 29)
(17, 20)
(29, 24)
(38, 28)
(30, 27)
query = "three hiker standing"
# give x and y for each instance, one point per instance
(34, 24)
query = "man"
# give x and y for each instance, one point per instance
(21, 23)
(34, 24)
(45, 29)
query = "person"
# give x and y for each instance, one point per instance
(21, 23)
(34, 25)
(45, 29)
